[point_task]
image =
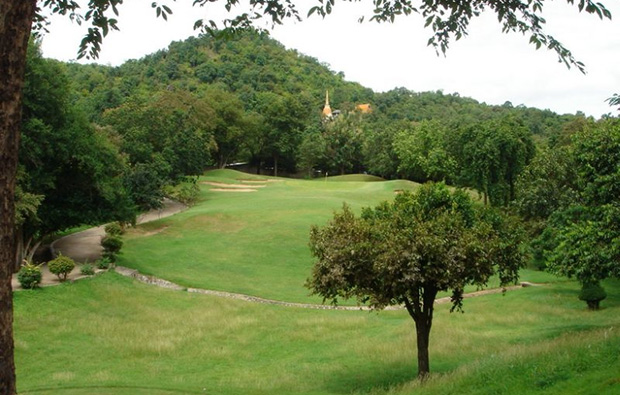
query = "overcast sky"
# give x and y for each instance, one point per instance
(487, 65)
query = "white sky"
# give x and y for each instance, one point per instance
(487, 65)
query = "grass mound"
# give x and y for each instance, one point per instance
(251, 243)
(233, 175)
(354, 177)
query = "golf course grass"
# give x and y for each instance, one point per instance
(254, 243)
(113, 335)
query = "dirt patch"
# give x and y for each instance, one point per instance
(235, 186)
(398, 191)
(233, 190)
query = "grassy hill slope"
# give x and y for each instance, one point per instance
(112, 335)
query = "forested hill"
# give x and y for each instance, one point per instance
(251, 63)
(247, 98)
(247, 64)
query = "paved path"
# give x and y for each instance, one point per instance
(85, 246)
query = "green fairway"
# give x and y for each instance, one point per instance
(254, 243)
(112, 335)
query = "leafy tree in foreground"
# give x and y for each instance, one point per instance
(449, 20)
(405, 252)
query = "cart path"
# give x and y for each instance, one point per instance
(85, 246)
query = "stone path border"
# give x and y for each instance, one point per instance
(152, 280)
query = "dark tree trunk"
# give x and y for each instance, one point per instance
(421, 311)
(423, 331)
(15, 22)
(275, 165)
(512, 189)
(258, 167)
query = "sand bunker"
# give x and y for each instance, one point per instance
(220, 184)
(233, 190)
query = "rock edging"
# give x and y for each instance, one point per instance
(152, 280)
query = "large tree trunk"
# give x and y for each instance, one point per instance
(15, 22)
(423, 331)
(421, 311)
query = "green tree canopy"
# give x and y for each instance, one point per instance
(407, 251)
(585, 237)
(73, 167)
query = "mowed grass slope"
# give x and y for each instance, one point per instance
(254, 243)
(113, 335)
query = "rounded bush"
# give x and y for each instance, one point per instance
(29, 276)
(114, 229)
(592, 294)
(111, 246)
(61, 266)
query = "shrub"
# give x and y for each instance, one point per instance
(104, 263)
(111, 247)
(186, 192)
(592, 294)
(29, 276)
(87, 269)
(61, 266)
(114, 229)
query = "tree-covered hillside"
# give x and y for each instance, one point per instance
(265, 103)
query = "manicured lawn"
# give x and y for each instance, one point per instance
(113, 335)
(254, 243)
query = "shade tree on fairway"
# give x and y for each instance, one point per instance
(448, 20)
(405, 252)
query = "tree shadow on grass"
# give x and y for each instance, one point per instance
(371, 378)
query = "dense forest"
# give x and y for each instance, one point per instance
(103, 143)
